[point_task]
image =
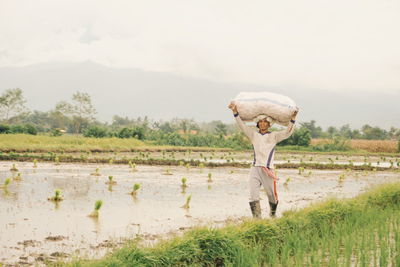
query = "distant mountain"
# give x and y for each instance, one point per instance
(133, 92)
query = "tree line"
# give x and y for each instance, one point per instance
(78, 116)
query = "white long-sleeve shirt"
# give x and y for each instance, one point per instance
(264, 144)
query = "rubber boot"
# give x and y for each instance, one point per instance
(255, 209)
(273, 207)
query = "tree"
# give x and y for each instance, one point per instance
(81, 110)
(300, 137)
(12, 104)
(373, 133)
(314, 130)
(332, 131)
(118, 121)
(95, 131)
(221, 129)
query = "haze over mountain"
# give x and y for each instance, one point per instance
(134, 92)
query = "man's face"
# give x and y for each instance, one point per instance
(263, 124)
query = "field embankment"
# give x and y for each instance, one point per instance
(363, 231)
(71, 143)
(374, 146)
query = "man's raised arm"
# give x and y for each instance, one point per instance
(246, 129)
(282, 135)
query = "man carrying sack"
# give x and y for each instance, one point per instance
(262, 170)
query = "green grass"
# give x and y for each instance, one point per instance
(75, 143)
(71, 143)
(39, 143)
(363, 231)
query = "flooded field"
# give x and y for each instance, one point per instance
(34, 229)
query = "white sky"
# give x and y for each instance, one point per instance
(324, 44)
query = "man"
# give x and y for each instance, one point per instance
(262, 170)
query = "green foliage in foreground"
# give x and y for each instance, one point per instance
(360, 231)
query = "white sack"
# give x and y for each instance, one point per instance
(252, 104)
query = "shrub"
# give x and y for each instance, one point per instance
(31, 129)
(300, 137)
(17, 129)
(4, 128)
(95, 131)
(56, 132)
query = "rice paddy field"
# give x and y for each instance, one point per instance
(111, 205)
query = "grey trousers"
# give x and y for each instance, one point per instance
(257, 178)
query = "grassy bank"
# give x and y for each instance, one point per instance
(69, 143)
(40, 143)
(363, 231)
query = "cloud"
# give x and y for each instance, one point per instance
(333, 45)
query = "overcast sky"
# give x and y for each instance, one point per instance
(322, 44)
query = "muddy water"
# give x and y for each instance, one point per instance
(223, 157)
(33, 229)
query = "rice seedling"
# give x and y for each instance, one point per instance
(57, 160)
(18, 177)
(57, 196)
(286, 183)
(201, 166)
(341, 178)
(311, 159)
(181, 163)
(111, 180)
(167, 171)
(183, 182)
(6, 183)
(209, 177)
(187, 166)
(96, 173)
(83, 157)
(301, 170)
(14, 168)
(187, 203)
(132, 166)
(97, 206)
(135, 189)
(111, 161)
(35, 163)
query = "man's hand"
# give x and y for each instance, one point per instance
(233, 107)
(294, 115)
